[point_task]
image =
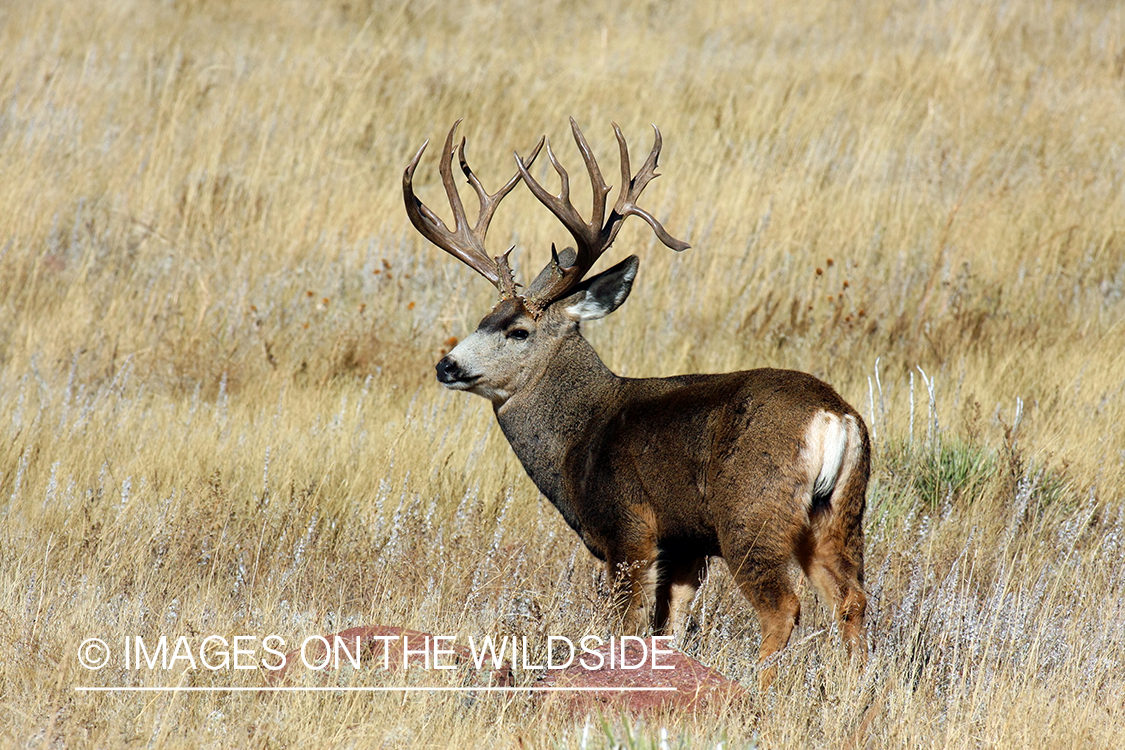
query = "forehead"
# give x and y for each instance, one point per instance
(503, 316)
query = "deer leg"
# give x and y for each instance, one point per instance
(634, 595)
(634, 568)
(833, 558)
(831, 555)
(762, 574)
(846, 598)
(837, 580)
(679, 580)
(779, 611)
(635, 574)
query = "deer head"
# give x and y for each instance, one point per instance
(524, 331)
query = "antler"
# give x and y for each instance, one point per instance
(592, 238)
(463, 242)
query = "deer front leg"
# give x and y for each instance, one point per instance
(633, 568)
(634, 594)
(680, 578)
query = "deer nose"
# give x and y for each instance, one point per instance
(448, 371)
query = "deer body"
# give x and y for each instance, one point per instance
(765, 468)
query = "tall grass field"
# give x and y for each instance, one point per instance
(218, 409)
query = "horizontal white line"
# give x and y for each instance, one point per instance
(174, 689)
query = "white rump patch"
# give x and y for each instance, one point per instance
(826, 444)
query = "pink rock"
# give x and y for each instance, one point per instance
(687, 685)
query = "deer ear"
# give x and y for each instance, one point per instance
(602, 294)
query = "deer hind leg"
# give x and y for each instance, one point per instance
(779, 611)
(680, 578)
(835, 568)
(832, 555)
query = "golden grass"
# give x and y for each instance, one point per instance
(217, 328)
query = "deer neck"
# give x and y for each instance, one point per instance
(553, 422)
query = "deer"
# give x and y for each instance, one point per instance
(765, 468)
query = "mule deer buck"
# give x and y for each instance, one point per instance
(764, 468)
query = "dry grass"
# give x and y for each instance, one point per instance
(217, 409)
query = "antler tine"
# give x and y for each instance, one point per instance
(586, 234)
(632, 187)
(601, 190)
(462, 242)
(637, 183)
(445, 166)
(593, 238)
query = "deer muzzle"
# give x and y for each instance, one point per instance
(450, 374)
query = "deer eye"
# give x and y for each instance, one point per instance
(519, 334)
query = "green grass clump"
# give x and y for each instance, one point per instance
(943, 472)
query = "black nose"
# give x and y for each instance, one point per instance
(448, 371)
